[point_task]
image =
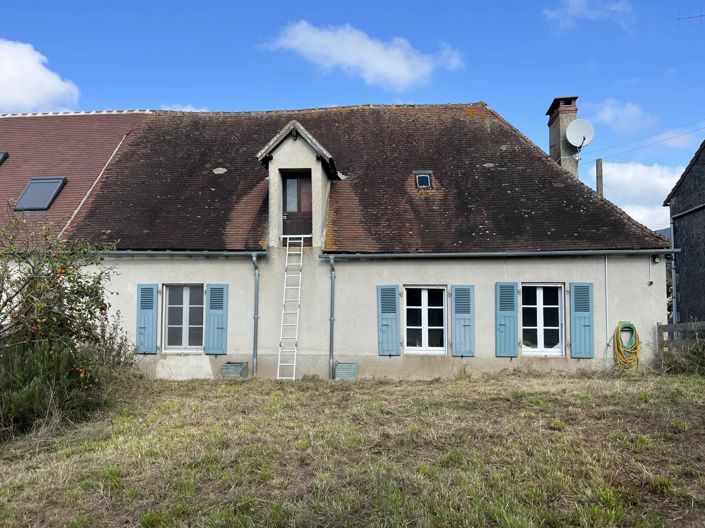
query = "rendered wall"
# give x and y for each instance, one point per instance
(629, 295)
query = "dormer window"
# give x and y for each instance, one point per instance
(39, 194)
(423, 179)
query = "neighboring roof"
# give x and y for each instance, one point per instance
(692, 163)
(493, 190)
(665, 233)
(72, 145)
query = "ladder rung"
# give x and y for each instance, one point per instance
(288, 350)
(289, 324)
(291, 313)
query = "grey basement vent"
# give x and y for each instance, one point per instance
(234, 370)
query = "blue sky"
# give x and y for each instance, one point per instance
(639, 72)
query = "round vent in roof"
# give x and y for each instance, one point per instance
(220, 170)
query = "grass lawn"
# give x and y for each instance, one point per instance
(516, 450)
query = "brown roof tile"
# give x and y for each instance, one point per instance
(493, 190)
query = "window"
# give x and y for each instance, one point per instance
(542, 319)
(39, 194)
(184, 316)
(423, 179)
(426, 320)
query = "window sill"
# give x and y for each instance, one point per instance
(182, 352)
(542, 354)
(426, 352)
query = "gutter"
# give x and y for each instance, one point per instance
(499, 254)
(331, 373)
(182, 254)
(255, 316)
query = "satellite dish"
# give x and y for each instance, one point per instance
(579, 133)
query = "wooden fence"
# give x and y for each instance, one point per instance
(681, 347)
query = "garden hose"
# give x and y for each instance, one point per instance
(626, 355)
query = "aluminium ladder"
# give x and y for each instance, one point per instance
(291, 308)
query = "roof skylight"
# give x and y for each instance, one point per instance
(39, 194)
(423, 179)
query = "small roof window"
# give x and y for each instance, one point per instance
(3, 156)
(423, 179)
(39, 194)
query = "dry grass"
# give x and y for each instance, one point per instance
(520, 450)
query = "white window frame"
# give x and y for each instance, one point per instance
(426, 351)
(553, 352)
(185, 319)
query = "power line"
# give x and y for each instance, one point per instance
(649, 136)
(644, 146)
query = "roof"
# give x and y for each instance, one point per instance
(72, 145)
(492, 189)
(692, 163)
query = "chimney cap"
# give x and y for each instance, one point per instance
(561, 101)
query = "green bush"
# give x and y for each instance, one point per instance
(40, 382)
(60, 355)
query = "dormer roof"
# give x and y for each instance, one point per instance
(296, 129)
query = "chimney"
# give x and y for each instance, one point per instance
(562, 113)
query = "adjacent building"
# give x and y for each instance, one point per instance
(687, 206)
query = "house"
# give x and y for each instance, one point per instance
(687, 205)
(406, 241)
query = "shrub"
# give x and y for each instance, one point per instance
(684, 359)
(40, 382)
(60, 355)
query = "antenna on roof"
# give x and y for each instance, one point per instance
(579, 134)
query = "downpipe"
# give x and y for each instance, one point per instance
(331, 366)
(255, 316)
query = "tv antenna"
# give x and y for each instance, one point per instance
(579, 134)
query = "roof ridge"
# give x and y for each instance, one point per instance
(321, 108)
(594, 193)
(701, 148)
(77, 113)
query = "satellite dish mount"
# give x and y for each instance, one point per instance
(579, 134)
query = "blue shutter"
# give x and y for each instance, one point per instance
(582, 326)
(507, 320)
(216, 319)
(147, 318)
(463, 302)
(388, 320)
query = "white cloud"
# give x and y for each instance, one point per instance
(394, 65)
(183, 108)
(567, 14)
(677, 139)
(27, 85)
(640, 189)
(622, 117)
(655, 216)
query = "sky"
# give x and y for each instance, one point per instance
(638, 70)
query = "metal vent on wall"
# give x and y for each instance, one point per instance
(3, 156)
